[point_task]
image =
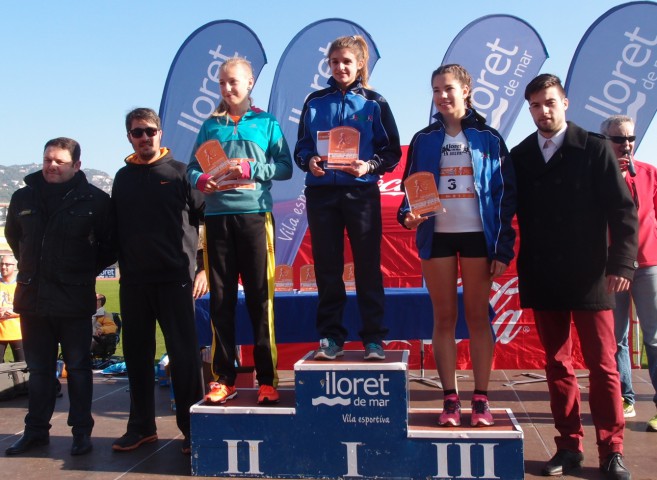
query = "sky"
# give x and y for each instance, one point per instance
(75, 68)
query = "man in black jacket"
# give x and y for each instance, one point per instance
(578, 246)
(59, 227)
(157, 218)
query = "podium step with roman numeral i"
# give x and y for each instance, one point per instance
(349, 418)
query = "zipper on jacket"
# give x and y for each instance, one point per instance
(341, 119)
(342, 107)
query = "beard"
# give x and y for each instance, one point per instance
(544, 129)
(549, 127)
(147, 153)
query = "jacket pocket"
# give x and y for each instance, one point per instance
(79, 222)
(79, 239)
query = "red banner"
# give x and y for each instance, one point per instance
(518, 346)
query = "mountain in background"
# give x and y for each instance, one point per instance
(11, 179)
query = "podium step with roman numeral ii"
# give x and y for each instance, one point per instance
(349, 419)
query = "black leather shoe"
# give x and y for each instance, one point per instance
(81, 444)
(563, 462)
(26, 443)
(614, 468)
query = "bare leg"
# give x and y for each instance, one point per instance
(440, 275)
(476, 292)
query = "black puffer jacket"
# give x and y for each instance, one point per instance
(59, 255)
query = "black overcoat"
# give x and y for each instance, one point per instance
(577, 223)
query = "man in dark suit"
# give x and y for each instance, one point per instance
(578, 246)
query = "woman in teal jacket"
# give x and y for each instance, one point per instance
(240, 227)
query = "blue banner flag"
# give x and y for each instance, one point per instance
(502, 53)
(302, 69)
(614, 69)
(191, 92)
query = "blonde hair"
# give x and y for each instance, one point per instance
(222, 109)
(358, 47)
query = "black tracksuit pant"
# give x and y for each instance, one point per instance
(331, 209)
(242, 245)
(172, 306)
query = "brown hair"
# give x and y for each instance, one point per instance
(68, 144)
(461, 74)
(358, 47)
(222, 109)
(543, 81)
(146, 114)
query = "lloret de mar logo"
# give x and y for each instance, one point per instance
(363, 391)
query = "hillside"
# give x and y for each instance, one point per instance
(11, 179)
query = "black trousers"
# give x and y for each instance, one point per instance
(331, 209)
(16, 350)
(242, 245)
(42, 336)
(172, 306)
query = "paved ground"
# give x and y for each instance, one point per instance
(164, 460)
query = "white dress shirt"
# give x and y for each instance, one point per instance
(550, 145)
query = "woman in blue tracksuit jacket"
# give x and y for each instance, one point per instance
(476, 183)
(347, 198)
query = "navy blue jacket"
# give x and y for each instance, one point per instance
(360, 108)
(494, 181)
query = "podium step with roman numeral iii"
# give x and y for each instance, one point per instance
(349, 418)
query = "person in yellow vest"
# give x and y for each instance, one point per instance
(10, 322)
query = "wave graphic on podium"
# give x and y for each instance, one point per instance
(331, 401)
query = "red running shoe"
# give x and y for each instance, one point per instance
(219, 393)
(267, 395)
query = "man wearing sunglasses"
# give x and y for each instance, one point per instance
(157, 218)
(59, 227)
(641, 180)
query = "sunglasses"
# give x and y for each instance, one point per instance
(138, 132)
(619, 139)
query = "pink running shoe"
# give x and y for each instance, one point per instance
(451, 415)
(481, 416)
